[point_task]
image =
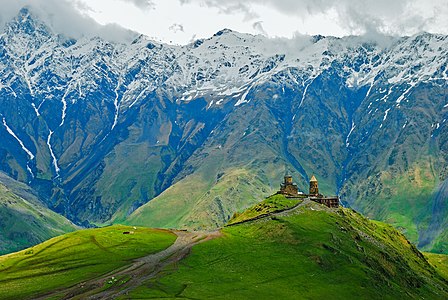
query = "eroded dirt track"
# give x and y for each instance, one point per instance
(135, 274)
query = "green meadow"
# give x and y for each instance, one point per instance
(440, 263)
(75, 257)
(307, 252)
(310, 254)
(269, 205)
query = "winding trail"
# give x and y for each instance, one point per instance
(139, 271)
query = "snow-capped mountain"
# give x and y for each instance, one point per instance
(100, 128)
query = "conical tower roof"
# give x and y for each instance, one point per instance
(313, 179)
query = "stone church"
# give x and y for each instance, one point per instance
(290, 190)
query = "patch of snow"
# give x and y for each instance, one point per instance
(117, 105)
(138, 97)
(387, 95)
(370, 88)
(55, 161)
(35, 109)
(350, 133)
(29, 170)
(243, 98)
(304, 91)
(11, 132)
(64, 108)
(402, 96)
(385, 114)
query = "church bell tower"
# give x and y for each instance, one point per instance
(314, 189)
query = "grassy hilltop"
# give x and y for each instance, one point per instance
(75, 257)
(311, 252)
(300, 249)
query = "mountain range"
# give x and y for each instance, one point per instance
(183, 136)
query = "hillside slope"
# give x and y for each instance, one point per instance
(192, 133)
(309, 252)
(24, 223)
(76, 257)
(301, 249)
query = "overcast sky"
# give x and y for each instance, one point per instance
(181, 21)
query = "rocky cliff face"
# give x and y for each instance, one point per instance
(101, 128)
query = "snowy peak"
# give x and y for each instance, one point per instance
(74, 112)
(28, 26)
(228, 64)
(223, 31)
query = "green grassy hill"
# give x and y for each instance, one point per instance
(76, 257)
(299, 249)
(271, 204)
(311, 253)
(440, 262)
(24, 223)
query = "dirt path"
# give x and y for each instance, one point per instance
(137, 272)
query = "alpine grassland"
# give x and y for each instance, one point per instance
(402, 199)
(76, 257)
(310, 252)
(439, 261)
(24, 223)
(271, 204)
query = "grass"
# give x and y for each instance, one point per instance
(205, 199)
(408, 203)
(440, 263)
(269, 205)
(401, 199)
(25, 223)
(75, 257)
(312, 255)
(170, 208)
(129, 182)
(440, 243)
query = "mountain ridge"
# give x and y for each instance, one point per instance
(98, 128)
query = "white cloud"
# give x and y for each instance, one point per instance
(258, 26)
(396, 17)
(161, 19)
(64, 17)
(176, 28)
(143, 4)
